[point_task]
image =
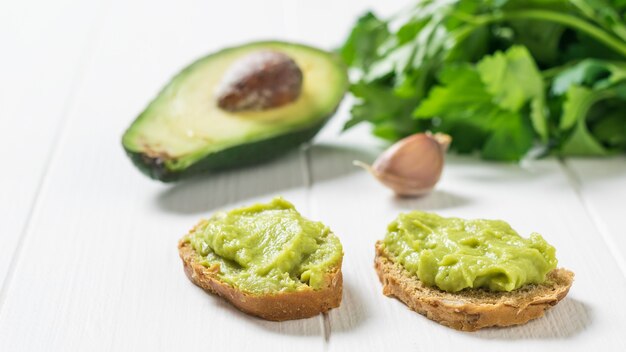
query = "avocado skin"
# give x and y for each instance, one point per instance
(241, 155)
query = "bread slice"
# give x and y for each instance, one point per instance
(277, 306)
(474, 309)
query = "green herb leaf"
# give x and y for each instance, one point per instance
(461, 94)
(581, 143)
(511, 140)
(611, 130)
(513, 79)
(492, 97)
(592, 121)
(592, 73)
(378, 104)
(361, 48)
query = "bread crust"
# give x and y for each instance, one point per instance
(471, 310)
(276, 306)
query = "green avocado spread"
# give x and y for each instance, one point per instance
(455, 254)
(265, 248)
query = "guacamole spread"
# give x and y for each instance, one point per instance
(454, 254)
(265, 248)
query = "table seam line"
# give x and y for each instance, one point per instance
(576, 184)
(307, 175)
(290, 11)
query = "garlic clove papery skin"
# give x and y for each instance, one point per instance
(412, 166)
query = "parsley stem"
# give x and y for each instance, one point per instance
(561, 18)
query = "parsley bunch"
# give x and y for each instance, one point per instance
(499, 76)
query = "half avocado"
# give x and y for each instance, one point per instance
(183, 131)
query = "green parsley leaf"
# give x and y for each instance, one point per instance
(361, 48)
(513, 79)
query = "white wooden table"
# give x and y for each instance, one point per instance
(88, 257)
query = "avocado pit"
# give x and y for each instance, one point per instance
(262, 80)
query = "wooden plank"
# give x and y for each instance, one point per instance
(601, 184)
(533, 197)
(100, 269)
(42, 57)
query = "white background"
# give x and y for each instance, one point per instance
(88, 257)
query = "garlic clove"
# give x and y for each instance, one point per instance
(413, 165)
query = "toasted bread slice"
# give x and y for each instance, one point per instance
(473, 309)
(276, 306)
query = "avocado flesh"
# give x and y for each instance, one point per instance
(183, 132)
